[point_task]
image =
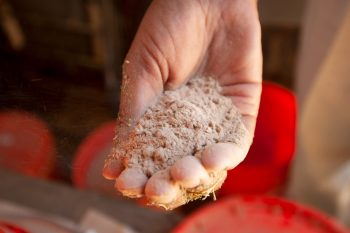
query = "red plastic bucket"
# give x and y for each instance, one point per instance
(273, 147)
(6, 227)
(257, 215)
(34, 224)
(89, 158)
(26, 144)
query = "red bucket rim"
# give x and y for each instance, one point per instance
(89, 148)
(305, 213)
(46, 159)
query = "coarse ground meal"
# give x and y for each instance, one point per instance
(183, 122)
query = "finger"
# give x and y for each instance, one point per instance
(112, 169)
(143, 74)
(188, 172)
(131, 182)
(157, 58)
(223, 156)
(161, 189)
(140, 89)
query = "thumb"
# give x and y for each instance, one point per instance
(140, 88)
(143, 79)
(141, 85)
(156, 58)
(164, 52)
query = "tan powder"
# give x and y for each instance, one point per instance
(183, 122)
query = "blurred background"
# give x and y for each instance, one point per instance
(61, 60)
(60, 72)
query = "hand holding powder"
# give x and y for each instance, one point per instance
(181, 148)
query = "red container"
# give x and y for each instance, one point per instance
(6, 227)
(257, 215)
(89, 158)
(26, 144)
(35, 224)
(266, 166)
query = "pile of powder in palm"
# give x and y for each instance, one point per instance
(183, 122)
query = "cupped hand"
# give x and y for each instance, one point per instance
(176, 40)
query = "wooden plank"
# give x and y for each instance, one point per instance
(281, 13)
(322, 21)
(113, 56)
(11, 27)
(59, 199)
(94, 13)
(39, 21)
(66, 57)
(53, 9)
(52, 39)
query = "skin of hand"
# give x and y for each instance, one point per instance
(176, 40)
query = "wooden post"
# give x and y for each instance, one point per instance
(94, 13)
(11, 27)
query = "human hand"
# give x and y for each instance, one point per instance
(176, 40)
